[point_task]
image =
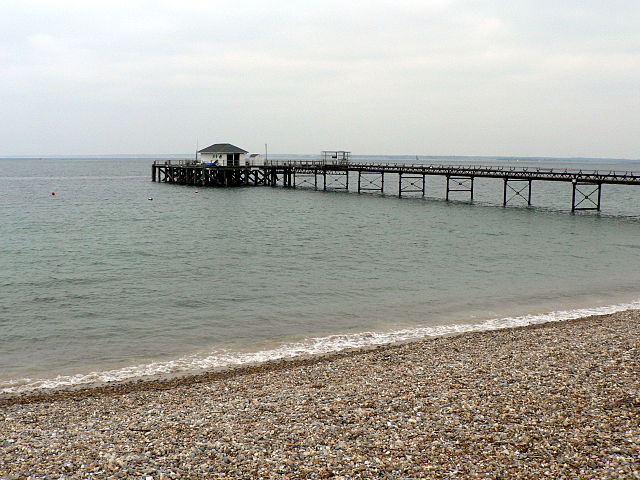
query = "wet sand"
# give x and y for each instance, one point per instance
(559, 400)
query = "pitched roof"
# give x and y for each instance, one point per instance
(222, 148)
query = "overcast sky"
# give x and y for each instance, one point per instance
(429, 77)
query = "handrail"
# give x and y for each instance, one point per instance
(470, 170)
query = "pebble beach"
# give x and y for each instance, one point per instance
(559, 400)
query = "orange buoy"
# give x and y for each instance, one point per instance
(197, 191)
(53, 193)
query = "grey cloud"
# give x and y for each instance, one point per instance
(448, 77)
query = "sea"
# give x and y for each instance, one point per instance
(118, 278)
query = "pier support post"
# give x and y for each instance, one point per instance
(504, 197)
(338, 179)
(517, 191)
(461, 184)
(370, 182)
(288, 177)
(302, 178)
(416, 183)
(593, 188)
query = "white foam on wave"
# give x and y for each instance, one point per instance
(311, 346)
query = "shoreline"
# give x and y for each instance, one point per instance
(171, 380)
(556, 400)
(324, 351)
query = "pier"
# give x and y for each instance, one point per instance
(586, 186)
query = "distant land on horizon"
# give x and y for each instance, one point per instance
(170, 156)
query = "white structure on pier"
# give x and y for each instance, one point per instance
(336, 157)
(223, 155)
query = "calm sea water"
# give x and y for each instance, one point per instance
(100, 283)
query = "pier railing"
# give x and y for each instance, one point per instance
(305, 163)
(537, 173)
(176, 162)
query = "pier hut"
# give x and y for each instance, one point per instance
(336, 157)
(223, 155)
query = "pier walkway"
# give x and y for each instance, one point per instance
(410, 178)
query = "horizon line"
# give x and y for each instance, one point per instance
(423, 156)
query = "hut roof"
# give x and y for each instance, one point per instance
(222, 148)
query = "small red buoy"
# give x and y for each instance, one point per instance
(53, 193)
(197, 191)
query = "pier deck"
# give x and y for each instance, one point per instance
(517, 181)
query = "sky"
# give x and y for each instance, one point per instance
(430, 77)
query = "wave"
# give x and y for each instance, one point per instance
(312, 346)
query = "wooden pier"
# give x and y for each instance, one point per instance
(322, 175)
